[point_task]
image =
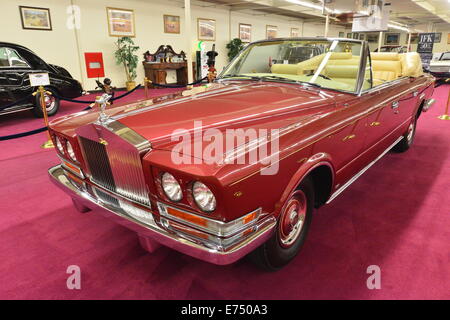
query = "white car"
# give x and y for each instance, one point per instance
(440, 68)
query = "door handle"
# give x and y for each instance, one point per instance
(395, 106)
(349, 137)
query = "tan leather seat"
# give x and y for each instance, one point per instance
(386, 66)
(284, 68)
(411, 64)
(343, 73)
(310, 65)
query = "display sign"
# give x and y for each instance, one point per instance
(426, 42)
(377, 20)
(94, 64)
(39, 79)
(425, 48)
(202, 59)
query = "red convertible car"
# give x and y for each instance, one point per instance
(237, 168)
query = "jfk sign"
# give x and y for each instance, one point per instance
(425, 48)
(426, 41)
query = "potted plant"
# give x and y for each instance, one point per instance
(234, 47)
(125, 54)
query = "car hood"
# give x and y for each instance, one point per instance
(228, 105)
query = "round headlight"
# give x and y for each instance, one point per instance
(59, 145)
(70, 151)
(171, 187)
(203, 197)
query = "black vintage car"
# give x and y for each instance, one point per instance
(16, 63)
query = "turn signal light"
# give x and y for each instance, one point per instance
(217, 228)
(197, 220)
(71, 167)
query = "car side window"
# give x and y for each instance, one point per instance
(4, 62)
(15, 60)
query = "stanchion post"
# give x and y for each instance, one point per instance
(146, 81)
(97, 104)
(42, 92)
(446, 116)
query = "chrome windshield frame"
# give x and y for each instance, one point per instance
(362, 65)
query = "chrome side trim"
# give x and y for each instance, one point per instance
(360, 173)
(385, 85)
(18, 109)
(428, 104)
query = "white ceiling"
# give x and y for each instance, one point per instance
(410, 13)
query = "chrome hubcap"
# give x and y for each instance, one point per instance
(49, 102)
(292, 219)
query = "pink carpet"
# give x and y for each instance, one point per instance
(396, 216)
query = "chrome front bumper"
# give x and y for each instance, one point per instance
(122, 210)
(427, 105)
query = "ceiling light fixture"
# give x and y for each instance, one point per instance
(398, 27)
(314, 6)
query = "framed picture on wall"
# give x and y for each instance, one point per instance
(372, 37)
(35, 18)
(392, 38)
(295, 32)
(120, 22)
(349, 35)
(341, 34)
(171, 24)
(414, 38)
(271, 31)
(438, 37)
(206, 29)
(245, 32)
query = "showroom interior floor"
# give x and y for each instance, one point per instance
(396, 216)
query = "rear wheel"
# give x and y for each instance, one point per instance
(51, 104)
(290, 234)
(408, 137)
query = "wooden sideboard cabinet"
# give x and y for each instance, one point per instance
(157, 72)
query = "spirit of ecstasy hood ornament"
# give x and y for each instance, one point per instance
(102, 102)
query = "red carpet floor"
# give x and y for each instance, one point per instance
(396, 216)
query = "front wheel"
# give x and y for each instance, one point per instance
(408, 137)
(51, 104)
(290, 234)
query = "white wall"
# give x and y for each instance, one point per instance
(56, 46)
(66, 47)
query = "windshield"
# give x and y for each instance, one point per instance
(332, 64)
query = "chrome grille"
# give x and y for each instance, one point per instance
(114, 164)
(97, 159)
